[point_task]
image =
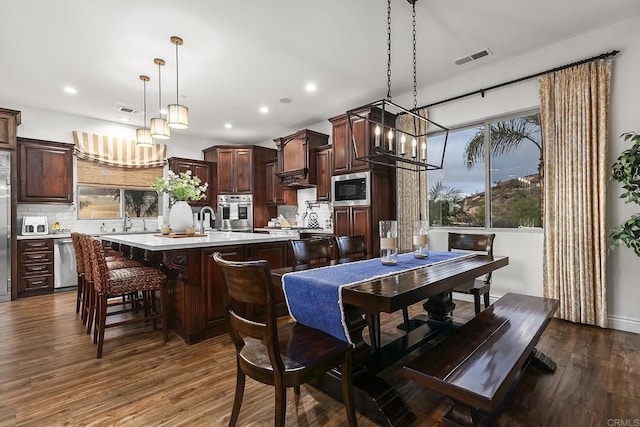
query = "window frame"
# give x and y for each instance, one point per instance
(486, 123)
(121, 202)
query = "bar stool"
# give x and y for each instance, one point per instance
(110, 283)
(89, 296)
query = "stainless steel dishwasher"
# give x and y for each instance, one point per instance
(64, 264)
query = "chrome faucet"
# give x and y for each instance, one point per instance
(201, 215)
(126, 226)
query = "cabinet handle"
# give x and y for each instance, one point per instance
(229, 253)
(37, 268)
(37, 282)
(39, 256)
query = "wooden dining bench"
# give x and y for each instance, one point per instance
(479, 363)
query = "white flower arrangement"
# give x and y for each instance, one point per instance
(181, 187)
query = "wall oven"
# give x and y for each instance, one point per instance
(352, 189)
(235, 212)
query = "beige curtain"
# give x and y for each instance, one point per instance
(574, 110)
(119, 152)
(411, 186)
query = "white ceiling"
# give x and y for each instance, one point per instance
(239, 55)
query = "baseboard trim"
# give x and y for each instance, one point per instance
(619, 323)
(626, 324)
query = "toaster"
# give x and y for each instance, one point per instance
(34, 225)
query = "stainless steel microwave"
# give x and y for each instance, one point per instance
(352, 189)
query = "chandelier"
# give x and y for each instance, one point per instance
(402, 147)
(143, 134)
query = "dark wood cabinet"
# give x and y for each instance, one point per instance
(203, 170)
(297, 159)
(9, 120)
(278, 194)
(324, 169)
(234, 171)
(35, 263)
(46, 171)
(363, 125)
(350, 220)
(241, 170)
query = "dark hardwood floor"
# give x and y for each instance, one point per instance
(49, 376)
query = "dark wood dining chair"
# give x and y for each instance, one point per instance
(311, 251)
(351, 248)
(285, 355)
(481, 243)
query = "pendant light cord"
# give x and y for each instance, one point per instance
(144, 102)
(389, 50)
(159, 90)
(177, 74)
(415, 81)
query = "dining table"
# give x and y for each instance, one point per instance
(363, 299)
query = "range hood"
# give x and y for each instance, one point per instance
(297, 158)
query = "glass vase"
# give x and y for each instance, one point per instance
(389, 242)
(421, 239)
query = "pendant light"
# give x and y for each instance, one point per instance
(178, 116)
(159, 127)
(385, 152)
(143, 134)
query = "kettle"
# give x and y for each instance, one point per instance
(313, 220)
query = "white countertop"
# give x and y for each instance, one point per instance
(44, 236)
(156, 242)
(301, 230)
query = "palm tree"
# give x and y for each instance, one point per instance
(443, 199)
(506, 136)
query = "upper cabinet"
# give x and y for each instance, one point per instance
(235, 167)
(344, 157)
(277, 194)
(9, 120)
(296, 157)
(240, 169)
(46, 171)
(203, 170)
(323, 173)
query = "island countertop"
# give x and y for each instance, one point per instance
(157, 242)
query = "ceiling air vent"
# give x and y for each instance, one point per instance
(473, 57)
(128, 110)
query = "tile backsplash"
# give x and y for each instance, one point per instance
(67, 216)
(324, 210)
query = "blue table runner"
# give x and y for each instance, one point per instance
(314, 297)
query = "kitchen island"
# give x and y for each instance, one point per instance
(196, 300)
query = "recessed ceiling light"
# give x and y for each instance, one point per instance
(124, 119)
(311, 87)
(70, 90)
(228, 125)
(286, 100)
(264, 110)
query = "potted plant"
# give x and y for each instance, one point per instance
(626, 170)
(181, 188)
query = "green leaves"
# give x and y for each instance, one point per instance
(626, 170)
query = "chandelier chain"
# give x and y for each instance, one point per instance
(389, 50)
(415, 81)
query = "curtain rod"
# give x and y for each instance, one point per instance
(553, 70)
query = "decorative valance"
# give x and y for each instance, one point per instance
(119, 152)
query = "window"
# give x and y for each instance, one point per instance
(458, 193)
(111, 203)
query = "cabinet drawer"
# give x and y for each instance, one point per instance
(31, 284)
(36, 269)
(36, 258)
(35, 245)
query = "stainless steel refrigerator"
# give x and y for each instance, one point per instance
(5, 226)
